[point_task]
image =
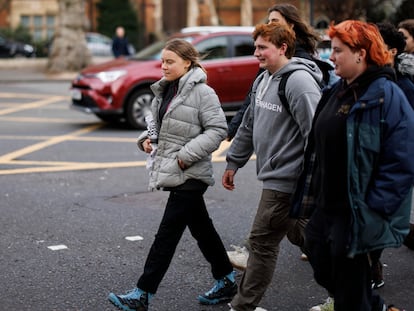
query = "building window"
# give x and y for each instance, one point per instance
(41, 27)
(25, 21)
(37, 27)
(50, 26)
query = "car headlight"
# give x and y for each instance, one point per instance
(109, 76)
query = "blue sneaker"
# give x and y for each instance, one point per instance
(223, 290)
(134, 300)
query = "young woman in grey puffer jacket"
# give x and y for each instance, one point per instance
(190, 124)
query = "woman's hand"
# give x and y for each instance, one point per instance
(181, 164)
(146, 145)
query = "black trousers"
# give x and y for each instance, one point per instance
(347, 279)
(184, 208)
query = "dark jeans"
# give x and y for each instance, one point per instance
(184, 208)
(347, 279)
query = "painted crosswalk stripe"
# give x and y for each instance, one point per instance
(57, 247)
(134, 238)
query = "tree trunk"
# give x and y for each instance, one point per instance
(69, 51)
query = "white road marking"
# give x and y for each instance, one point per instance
(134, 238)
(57, 247)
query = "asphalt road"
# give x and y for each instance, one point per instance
(77, 220)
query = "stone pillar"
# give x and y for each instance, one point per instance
(69, 51)
(246, 12)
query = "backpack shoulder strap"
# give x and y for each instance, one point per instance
(281, 90)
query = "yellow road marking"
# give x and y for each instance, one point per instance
(61, 166)
(73, 167)
(41, 120)
(51, 141)
(22, 95)
(11, 159)
(31, 105)
(77, 138)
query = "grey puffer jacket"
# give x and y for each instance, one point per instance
(192, 128)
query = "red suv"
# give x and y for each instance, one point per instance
(118, 90)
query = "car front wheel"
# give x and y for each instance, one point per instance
(139, 102)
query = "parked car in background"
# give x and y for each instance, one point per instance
(119, 90)
(101, 45)
(12, 48)
(98, 44)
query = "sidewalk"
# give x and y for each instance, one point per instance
(34, 70)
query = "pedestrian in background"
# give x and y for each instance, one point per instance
(277, 135)
(396, 44)
(120, 44)
(190, 125)
(406, 63)
(358, 174)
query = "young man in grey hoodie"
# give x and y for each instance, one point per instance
(277, 135)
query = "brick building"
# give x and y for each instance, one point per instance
(159, 16)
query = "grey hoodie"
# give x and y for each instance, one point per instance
(277, 137)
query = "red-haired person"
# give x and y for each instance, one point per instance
(358, 175)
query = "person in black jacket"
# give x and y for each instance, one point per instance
(120, 43)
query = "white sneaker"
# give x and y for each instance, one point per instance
(257, 309)
(328, 305)
(238, 257)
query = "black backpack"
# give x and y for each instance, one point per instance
(323, 66)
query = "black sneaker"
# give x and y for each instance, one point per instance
(377, 276)
(409, 239)
(134, 300)
(223, 290)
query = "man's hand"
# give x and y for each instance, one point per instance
(228, 179)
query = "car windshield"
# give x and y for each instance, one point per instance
(153, 51)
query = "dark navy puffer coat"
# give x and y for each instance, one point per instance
(380, 152)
